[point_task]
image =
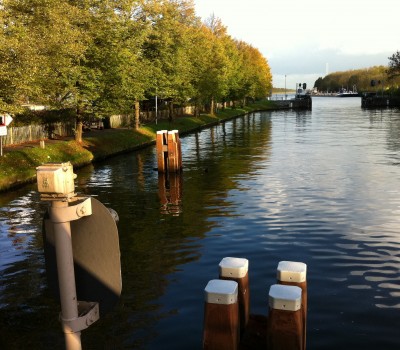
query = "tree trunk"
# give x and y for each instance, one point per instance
(212, 106)
(79, 126)
(171, 110)
(137, 115)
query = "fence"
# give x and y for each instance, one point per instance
(126, 120)
(29, 133)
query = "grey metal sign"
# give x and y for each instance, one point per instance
(96, 256)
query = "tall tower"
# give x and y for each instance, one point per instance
(326, 68)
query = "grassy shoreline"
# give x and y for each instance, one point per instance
(18, 164)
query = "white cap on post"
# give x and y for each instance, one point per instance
(290, 271)
(233, 267)
(221, 292)
(282, 297)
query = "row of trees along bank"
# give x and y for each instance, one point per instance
(377, 78)
(102, 57)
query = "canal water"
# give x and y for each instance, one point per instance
(319, 187)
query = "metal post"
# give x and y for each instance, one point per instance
(285, 88)
(156, 109)
(56, 184)
(66, 278)
(1, 146)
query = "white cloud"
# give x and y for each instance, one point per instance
(349, 34)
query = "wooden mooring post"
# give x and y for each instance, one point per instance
(294, 273)
(285, 318)
(236, 269)
(169, 151)
(283, 328)
(221, 316)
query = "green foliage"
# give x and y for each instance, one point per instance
(28, 117)
(101, 57)
(360, 78)
(18, 164)
(394, 65)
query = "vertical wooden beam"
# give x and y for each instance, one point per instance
(173, 151)
(293, 273)
(161, 144)
(236, 269)
(285, 321)
(221, 316)
(179, 149)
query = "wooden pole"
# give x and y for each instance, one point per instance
(173, 151)
(221, 316)
(161, 145)
(285, 319)
(293, 273)
(236, 269)
(179, 149)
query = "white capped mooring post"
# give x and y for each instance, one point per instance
(56, 184)
(285, 321)
(236, 269)
(221, 316)
(294, 273)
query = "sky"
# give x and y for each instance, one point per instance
(307, 39)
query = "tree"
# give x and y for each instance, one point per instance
(116, 51)
(47, 44)
(394, 65)
(213, 84)
(103, 57)
(19, 59)
(167, 48)
(257, 79)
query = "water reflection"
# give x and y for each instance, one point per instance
(170, 192)
(316, 186)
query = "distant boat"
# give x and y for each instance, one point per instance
(302, 93)
(345, 93)
(348, 94)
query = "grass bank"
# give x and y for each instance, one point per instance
(18, 164)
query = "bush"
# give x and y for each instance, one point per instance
(44, 117)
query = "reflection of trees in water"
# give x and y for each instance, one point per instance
(27, 315)
(153, 245)
(393, 136)
(303, 117)
(388, 120)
